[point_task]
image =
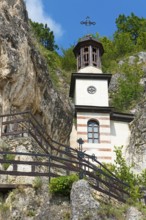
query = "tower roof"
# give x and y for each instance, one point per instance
(88, 40)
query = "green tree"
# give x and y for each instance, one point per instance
(44, 35)
(130, 24)
(123, 44)
(109, 56)
(141, 41)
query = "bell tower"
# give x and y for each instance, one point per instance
(88, 53)
(97, 124)
(89, 91)
(89, 86)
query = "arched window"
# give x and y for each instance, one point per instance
(93, 131)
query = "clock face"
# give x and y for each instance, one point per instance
(91, 89)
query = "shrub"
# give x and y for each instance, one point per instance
(125, 173)
(62, 185)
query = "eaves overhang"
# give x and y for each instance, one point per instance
(115, 116)
(95, 109)
(118, 116)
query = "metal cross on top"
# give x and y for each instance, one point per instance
(87, 22)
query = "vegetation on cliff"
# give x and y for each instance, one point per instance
(44, 35)
(128, 39)
(129, 87)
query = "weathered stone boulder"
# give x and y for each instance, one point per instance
(83, 205)
(114, 83)
(138, 57)
(26, 203)
(134, 214)
(25, 83)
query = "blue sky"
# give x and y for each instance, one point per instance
(64, 16)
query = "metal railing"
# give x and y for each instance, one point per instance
(56, 158)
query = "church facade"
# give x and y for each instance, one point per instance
(99, 126)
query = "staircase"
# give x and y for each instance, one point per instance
(56, 158)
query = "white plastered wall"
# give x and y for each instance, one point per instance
(90, 69)
(120, 134)
(82, 97)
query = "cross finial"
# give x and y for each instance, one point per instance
(87, 22)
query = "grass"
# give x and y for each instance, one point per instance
(4, 207)
(8, 157)
(66, 215)
(112, 211)
(30, 213)
(37, 183)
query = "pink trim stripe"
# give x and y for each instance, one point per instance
(98, 149)
(104, 158)
(80, 132)
(84, 125)
(104, 126)
(102, 133)
(105, 142)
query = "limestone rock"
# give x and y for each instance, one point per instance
(25, 203)
(25, 83)
(138, 57)
(133, 214)
(83, 205)
(113, 87)
(142, 56)
(131, 59)
(136, 151)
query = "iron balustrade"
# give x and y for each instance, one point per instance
(57, 159)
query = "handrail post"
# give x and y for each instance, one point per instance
(1, 125)
(49, 168)
(28, 125)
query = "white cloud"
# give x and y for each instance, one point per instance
(36, 13)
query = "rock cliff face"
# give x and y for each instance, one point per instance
(25, 83)
(137, 146)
